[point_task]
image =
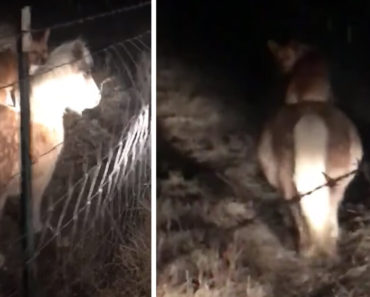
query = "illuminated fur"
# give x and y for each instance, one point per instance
(297, 146)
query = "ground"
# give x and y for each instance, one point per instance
(221, 229)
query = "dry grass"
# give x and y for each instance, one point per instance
(221, 228)
(133, 263)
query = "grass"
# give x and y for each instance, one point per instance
(221, 228)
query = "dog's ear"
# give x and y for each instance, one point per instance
(273, 46)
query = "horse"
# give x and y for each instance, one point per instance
(305, 146)
(63, 82)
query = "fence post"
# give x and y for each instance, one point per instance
(23, 45)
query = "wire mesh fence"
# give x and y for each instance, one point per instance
(95, 211)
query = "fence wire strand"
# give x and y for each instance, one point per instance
(83, 20)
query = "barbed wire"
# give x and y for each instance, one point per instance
(95, 17)
(82, 20)
(331, 182)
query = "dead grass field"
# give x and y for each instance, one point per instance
(221, 228)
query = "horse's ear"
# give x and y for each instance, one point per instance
(82, 54)
(273, 46)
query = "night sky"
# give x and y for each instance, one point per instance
(46, 12)
(230, 38)
(99, 33)
(231, 25)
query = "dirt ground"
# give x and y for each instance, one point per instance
(222, 230)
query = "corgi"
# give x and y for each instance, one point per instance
(9, 64)
(306, 71)
(302, 147)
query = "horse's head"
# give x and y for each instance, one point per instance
(287, 55)
(65, 80)
(87, 93)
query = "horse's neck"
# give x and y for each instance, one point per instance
(51, 119)
(45, 141)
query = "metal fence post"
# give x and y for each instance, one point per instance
(23, 45)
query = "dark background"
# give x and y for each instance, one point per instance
(233, 34)
(228, 39)
(99, 32)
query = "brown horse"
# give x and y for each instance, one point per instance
(302, 147)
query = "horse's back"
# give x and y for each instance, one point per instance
(344, 144)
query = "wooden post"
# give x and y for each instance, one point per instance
(23, 46)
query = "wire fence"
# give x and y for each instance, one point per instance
(331, 182)
(99, 196)
(84, 20)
